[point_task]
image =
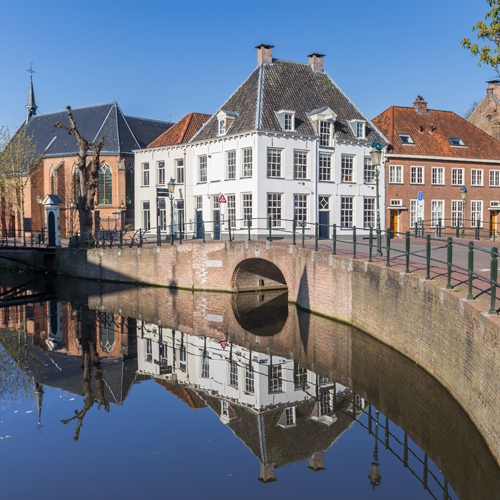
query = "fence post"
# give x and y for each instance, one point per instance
(416, 228)
(388, 247)
(294, 230)
(478, 222)
(103, 240)
(140, 238)
(470, 270)
(158, 237)
(303, 234)
(407, 252)
(249, 225)
(458, 227)
(334, 240)
(354, 242)
(370, 245)
(428, 257)
(180, 233)
(121, 238)
(203, 230)
(270, 238)
(439, 227)
(449, 262)
(316, 236)
(493, 278)
(229, 223)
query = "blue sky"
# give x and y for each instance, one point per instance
(162, 59)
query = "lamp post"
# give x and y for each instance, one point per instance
(171, 188)
(463, 195)
(374, 475)
(376, 157)
(42, 226)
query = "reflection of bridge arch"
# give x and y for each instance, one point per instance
(257, 274)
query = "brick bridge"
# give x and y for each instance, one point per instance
(452, 338)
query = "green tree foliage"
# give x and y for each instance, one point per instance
(487, 31)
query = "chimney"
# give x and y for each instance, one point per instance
(267, 473)
(316, 61)
(316, 462)
(420, 105)
(264, 53)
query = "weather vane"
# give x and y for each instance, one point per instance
(31, 70)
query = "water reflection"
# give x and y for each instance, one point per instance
(288, 385)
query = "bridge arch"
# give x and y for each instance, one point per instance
(257, 274)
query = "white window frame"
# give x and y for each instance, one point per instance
(230, 165)
(202, 169)
(369, 211)
(300, 164)
(179, 170)
(457, 176)
(146, 215)
(231, 209)
(494, 176)
(246, 162)
(416, 174)
(325, 167)
(233, 374)
(369, 171)
(437, 176)
(246, 207)
(476, 209)
(346, 212)
(275, 208)
(160, 173)
(477, 177)
(145, 177)
(347, 168)
(325, 133)
(437, 212)
(274, 163)
(457, 208)
(300, 202)
(396, 174)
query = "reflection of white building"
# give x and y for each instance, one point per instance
(268, 401)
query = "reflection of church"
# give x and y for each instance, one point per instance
(283, 412)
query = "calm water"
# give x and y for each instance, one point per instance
(132, 392)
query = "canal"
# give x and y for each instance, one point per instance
(124, 392)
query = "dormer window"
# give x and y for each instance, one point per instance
(456, 141)
(406, 139)
(287, 120)
(358, 128)
(324, 121)
(225, 119)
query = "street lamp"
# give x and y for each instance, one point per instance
(42, 226)
(463, 195)
(374, 475)
(376, 157)
(171, 189)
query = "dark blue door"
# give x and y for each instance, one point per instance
(199, 224)
(324, 225)
(52, 229)
(216, 224)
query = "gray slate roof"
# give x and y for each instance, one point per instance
(122, 134)
(285, 85)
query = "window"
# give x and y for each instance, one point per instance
(205, 366)
(149, 350)
(179, 171)
(324, 202)
(163, 353)
(231, 165)
(456, 141)
(346, 211)
(300, 208)
(325, 401)
(146, 215)
(347, 168)
(162, 212)
(275, 379)
(476, 213)
(180, 215)
(413, 213)
(249, 378)
(222, 127)
(107, 333)
(369, 212)
(202, 169)
(457, 213)
(360, 130)
(224, 408)
(145, 174)
(104, 185)
(300, 164)
(406, 139)
(274, 208)
(247, 162)
(53, 182)
(416, 175)
(233, 373)
(129, 184)
(396, 174)
(299, 376)
(437, 175)
(325, 133)
(289, 122)
(231, 209)
(289, 416)
(457, 176)
(247, 207)
(160, 176)
(274, 162)
(494, 178)
(476, 177)
(325, 167)
(437, 213)
(369, 171)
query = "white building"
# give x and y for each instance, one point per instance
(288, 144)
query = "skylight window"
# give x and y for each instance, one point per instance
(406, 139)
(456, 141)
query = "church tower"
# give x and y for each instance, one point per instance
(31, 104)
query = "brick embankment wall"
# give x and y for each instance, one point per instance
(451, 338)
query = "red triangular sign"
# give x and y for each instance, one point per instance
(222, 199)
(223, 343)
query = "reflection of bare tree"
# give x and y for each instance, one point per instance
(91, 365)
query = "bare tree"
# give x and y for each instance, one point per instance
(18, 166)
(88, 174)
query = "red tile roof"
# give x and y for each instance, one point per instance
(182, 131)
(444, 124)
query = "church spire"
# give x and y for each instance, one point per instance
(31, 104)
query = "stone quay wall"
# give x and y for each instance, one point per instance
(453, 339)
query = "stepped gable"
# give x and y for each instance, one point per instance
(181, 132)
(121, 134)
(292, 86)
(430, 132)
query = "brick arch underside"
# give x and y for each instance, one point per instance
(256, 275)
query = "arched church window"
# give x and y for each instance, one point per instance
(129, 184)
(107, 333)
(104, 186)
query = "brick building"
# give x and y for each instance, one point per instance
(432, 156)
(486, 116)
